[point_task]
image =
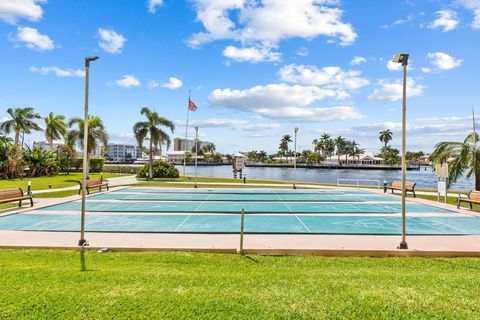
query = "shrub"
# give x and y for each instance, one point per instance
(122, 169)
(160, 169)
(77, 164)
(66, 157)
(41, 162)
(96, 164)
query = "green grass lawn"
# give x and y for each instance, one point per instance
(48, 284)
(59, 181)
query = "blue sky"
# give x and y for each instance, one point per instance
(256, 69)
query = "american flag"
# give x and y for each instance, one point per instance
(192, 106)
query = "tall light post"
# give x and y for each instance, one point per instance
(82, 242)
(196, 153)
(403, 59)
(295, 159)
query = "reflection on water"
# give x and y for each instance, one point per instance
(425, 177)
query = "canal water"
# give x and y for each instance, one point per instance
(425, 177)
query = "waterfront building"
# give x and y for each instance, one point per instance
(123, 152)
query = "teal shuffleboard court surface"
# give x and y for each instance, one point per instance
(283, 224)
(249, 206)
(243, 191)
(300, 197)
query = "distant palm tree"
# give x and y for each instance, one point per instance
(22, 122)
(209, 148)
(462, 157)
(55, 128)
(151, 130)
(386, 136)
(96, 134)
(340, 143)
(283, 148)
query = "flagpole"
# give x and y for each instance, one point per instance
(186, 135)
(474, 147)
(196, 153)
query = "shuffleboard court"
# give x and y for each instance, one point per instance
(275, 211)
(267, 224)
(243, 191)
(297, 197)
(250, 207)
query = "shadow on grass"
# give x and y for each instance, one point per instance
(249, 258)
(83, 263)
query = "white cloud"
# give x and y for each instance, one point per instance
(473, 5)
(426, 70)
(251, 54)
(173, 83)
(446, 19)
(59, 72)
(357, 61)
(302, 52)
(111, 41)
(443, 61)
(329, 77)
(236, 124)
(283, 102)
(32, 39)
(128, 81)
(255, 24)
(393, 66)
(398, 22)
(12, 10)
(393, 90)
(153, 4)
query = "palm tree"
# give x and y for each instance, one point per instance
(286, 139)
(209, 148)
(386, 136)
(462, 157)
(340, 144)
(55, 128)
(96, 134)
(22, 121)
(151, 130)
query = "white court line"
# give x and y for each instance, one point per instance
(291, 211)
(201, 204)
(181, 224)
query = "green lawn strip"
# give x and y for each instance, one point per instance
(56, 194)
(59, 181)
(450, 200)
(46, 284)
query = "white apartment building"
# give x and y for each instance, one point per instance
(123, 152)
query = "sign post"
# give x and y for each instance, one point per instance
(441, 171)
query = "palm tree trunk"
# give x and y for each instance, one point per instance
(88, 165)
(150, 160)
(17, 138)
(477, 180)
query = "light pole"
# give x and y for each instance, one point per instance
(82, 242)
(295, 159)
(196, 153)
(403, 59)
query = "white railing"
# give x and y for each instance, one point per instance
(358, 183)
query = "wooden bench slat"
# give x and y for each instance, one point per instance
(93, 183)
(13, 195)
(397, 185)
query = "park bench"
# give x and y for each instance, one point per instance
(472, 197)
(397, 185)
(14, 194)
(93, 183)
